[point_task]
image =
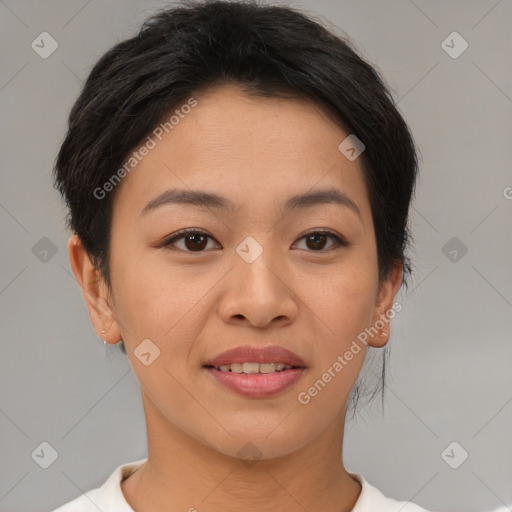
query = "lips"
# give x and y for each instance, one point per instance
(265, 383)
(251, 354)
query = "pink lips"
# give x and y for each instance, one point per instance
(257, 385)
(248, 354)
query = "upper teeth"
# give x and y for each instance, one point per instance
(254, 367)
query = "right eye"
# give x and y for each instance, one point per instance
(194, 240)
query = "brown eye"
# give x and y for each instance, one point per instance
(193, 240)
(317, 240)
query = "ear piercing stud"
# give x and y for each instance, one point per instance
(104, 342)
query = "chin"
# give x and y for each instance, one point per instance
(257, 444)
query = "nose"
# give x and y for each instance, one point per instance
(258, 292)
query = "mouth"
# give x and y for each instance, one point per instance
(269, 358)
(256, 372)
(251, 368)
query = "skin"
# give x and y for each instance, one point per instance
(194, 305)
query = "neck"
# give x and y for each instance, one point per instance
(182, 473)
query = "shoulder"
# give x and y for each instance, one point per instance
(372, 499)
(107, 497)
(87, 502)
(84, 503)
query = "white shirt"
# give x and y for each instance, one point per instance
(110, 498)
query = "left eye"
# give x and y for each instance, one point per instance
(196, 241)
(318, 238)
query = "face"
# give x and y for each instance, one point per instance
(252, 273)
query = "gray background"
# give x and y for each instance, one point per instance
(450, 347)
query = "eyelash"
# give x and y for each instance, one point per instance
(340, 241)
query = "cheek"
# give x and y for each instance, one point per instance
(343, 303)
(343, 309)
(151, 307)
(159, 301)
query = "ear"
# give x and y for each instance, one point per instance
(384, 304)
(95, 290)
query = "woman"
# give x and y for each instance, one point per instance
(239, 180)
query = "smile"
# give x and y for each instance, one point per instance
(255, 383)
(252, 368)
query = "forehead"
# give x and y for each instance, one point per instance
(245, 147)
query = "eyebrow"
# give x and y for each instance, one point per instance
(202, 199)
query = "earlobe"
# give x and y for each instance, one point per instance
(95, 292)
(384, 310)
